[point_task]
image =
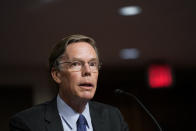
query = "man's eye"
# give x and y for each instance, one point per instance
(75, 64)
(93, 64)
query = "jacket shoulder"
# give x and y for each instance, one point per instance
(108, 115)
(104, 110)
(29, 118)
(34, 111)
(102, 106)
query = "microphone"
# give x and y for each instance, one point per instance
(119, 92)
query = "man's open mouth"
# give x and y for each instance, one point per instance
(86, 85)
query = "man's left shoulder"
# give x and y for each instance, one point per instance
(101, 105)
(102, 108)
(109, 116)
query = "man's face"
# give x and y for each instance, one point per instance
(78, 85)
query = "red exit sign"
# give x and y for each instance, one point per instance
(160, 76)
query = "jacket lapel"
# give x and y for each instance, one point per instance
(52, 118)
(97, 118)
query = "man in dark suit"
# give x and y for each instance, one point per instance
(74, 67)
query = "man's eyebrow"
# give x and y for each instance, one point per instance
(62, 57)
(78, 59)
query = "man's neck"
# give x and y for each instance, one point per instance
(78, 105)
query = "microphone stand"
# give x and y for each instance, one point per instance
(119, 91)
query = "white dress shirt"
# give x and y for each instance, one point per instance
(69, 117)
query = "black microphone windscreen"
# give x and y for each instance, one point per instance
(118, 91)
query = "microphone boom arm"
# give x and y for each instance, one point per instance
(119, 91)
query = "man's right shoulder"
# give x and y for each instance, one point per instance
(34, 111)
(31, 118)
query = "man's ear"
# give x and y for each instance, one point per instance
(56, 75)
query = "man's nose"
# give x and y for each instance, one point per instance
(86, 71)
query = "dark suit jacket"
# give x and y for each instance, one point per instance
(45, 117)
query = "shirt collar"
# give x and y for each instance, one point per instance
(70, 116)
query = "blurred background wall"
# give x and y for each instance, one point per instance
(130, 41)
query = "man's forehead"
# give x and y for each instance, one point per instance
(74, 58)
(80, 50)
(79, 45)
(78, 57)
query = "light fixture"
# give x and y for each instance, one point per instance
(130, 10)
(129, 53)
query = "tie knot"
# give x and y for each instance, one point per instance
(81, 120)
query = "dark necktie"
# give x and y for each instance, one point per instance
(81, 123)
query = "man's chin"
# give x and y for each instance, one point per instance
(86, 96)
